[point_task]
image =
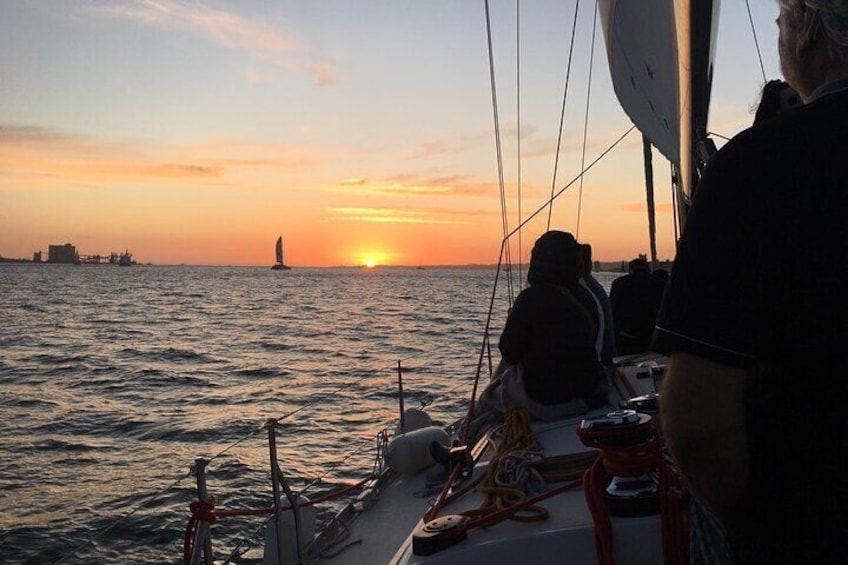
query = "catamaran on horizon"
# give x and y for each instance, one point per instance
(280, 265)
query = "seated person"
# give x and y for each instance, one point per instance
(553, 326)
(606, 341)
(635, 300)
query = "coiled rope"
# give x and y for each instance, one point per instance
(507, 498)
(507, 478)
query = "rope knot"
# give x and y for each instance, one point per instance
(204, 511)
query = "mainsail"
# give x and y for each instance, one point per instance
(660, 55)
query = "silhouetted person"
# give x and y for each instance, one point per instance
(607, 331)
(755, 317)
(777, 97)
(661, 280)
(635, 302)
(552, 327)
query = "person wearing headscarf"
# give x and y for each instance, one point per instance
(553, 325)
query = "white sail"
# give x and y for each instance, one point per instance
(660, 55)
(643, 55)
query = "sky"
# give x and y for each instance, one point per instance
(197, 132)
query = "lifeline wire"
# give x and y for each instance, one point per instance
(153, 496)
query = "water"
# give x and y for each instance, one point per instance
(113, 380)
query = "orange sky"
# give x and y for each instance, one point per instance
(356, 139)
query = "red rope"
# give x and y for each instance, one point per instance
(674, 505)
(201, 511)
(205, 512)
(615, 460)
(495, 517)
(268, 510)
(440, 501)
(629, 461)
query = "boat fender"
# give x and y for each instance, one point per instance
(410, 452)
(288, 534)
(414, 419)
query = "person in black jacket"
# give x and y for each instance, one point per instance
(754, 317)
(635, 300)
(553, 326)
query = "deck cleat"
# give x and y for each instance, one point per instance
(451, 457)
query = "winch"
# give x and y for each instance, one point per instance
(627, 477)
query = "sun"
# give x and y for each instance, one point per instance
(370, 263)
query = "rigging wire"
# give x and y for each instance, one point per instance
(562, 112)
(574, 180)
(504, 219)
(518, 120)
(756, 42)
(586, 119)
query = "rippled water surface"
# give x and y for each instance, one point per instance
(113, 380)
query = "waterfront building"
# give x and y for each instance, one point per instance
(62, 254)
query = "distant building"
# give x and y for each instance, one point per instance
(62, 254)
(36, 257)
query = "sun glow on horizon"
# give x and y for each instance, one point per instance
(370, 263)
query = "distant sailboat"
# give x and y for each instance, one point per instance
(280, 266)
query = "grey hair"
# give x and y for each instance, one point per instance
(834, 19)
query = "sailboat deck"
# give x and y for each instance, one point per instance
(382, 533)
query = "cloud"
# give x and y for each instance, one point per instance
(414, 185)
(36, 157)
(225, 28)
(461, 144)
(398, 216)
(323, 75)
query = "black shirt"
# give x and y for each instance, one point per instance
(759, 283)
(552, 332)
(635, 299)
